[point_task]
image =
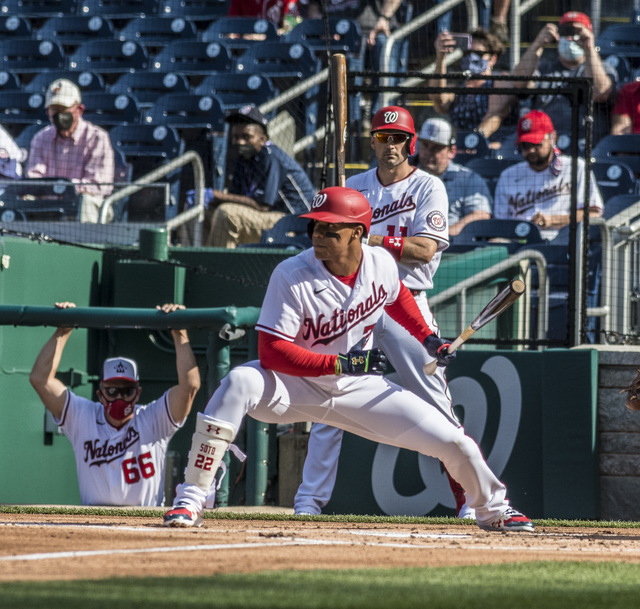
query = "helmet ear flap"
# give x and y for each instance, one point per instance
(310, 226)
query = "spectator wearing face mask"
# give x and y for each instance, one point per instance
(73, 148)
(577, 56)
(472, 112)
(267, 184)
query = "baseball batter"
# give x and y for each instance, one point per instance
(119, 445)
(320, 306)
(539, 189)
(410, 210)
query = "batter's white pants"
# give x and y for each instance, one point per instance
(369, 406)
(407, 356)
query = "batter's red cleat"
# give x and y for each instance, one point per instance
(511, 520)
(182, 516)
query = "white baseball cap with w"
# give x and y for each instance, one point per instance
(120, 368)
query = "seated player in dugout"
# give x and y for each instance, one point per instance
(539, 188)
(119, 445)
(267, 184)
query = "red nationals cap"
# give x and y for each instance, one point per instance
(532, 127)
(575, 17)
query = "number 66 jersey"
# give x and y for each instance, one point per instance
(119, 466)
(416, 206)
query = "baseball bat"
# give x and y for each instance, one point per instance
(497, 305)
(339, 100)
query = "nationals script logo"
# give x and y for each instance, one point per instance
(404, 204)
(390, 117)
(520, 202)
(326, 330)
(98, 454)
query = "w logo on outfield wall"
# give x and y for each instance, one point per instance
(390, 117)
(318, 200)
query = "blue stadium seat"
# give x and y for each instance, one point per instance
(38, 8)
(508, 150)
(620, 149)
(613, 179)
(87, 82)
(620, 39)
(471, 145)
(237, 90)
(621, 66)
(9, 81)
(279, 60)
(109, 109)
(26, 135)
(490, 169)
(193, 58)
(20, 108)
(13, 26)
(635, 17)
(619, 203)
(513, 233)
(70, 30)
(157, 141)
(27, 56)
(109, 57)
(185, 111)
(198, 10)
(147, 87)
(290, 232)
(346, 36)
(22, 201)
(247, 32)
(119, 9)
(157, 31)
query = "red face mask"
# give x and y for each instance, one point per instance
(119, 409)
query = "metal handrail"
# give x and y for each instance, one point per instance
(198, 178)
(518, 9)
(460, 289)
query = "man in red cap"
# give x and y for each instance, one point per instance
(626, 113)
(539, 189)
(577, 56)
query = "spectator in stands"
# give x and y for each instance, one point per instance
(119, 447)
(577, 56)
(267, 184)
(469, 197)
(11, 157)
(625, 117)
(284, 13)
(73, 148)
(539, 189)
(491, 16)
(482, 113)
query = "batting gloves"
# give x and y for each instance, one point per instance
(358, 363)
(437, 348)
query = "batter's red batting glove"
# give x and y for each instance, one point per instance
(437, 348)
(358, 363)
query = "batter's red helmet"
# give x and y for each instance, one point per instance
(396, 118)
(340, 205)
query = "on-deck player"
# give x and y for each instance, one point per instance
(410, 211)
(320, 306)
(119, 447)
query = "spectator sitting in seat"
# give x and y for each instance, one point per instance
(472, 112)
(469, 197)
(625, 117)
(267, 184)
(11, 157)
(539, 189)
(73, 148)
(284, 13)
(577, 56)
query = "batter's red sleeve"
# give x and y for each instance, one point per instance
(406, 312)
(283, 356)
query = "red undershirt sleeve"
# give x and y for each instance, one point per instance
(406, 312)
(285, 357)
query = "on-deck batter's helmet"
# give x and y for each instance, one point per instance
(340, 205)
(395, 118)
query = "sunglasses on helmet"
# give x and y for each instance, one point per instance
(394, 138)
(113, 393)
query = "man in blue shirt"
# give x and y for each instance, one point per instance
(266, 185)
(469, 197)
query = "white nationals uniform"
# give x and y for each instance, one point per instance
(119, 466)
(522, 192)
(415, 206)
(308, 306)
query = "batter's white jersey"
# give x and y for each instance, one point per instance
(119, 466)
(416, 206)
(521, 192)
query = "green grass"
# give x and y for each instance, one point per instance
(546, 585)
(339, 518)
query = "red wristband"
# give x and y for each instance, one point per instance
(394, 245)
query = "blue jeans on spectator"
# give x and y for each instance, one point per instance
(484, 16)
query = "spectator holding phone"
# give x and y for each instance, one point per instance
(472, 112)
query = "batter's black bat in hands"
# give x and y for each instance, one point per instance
(497, 305)
(339, 100)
